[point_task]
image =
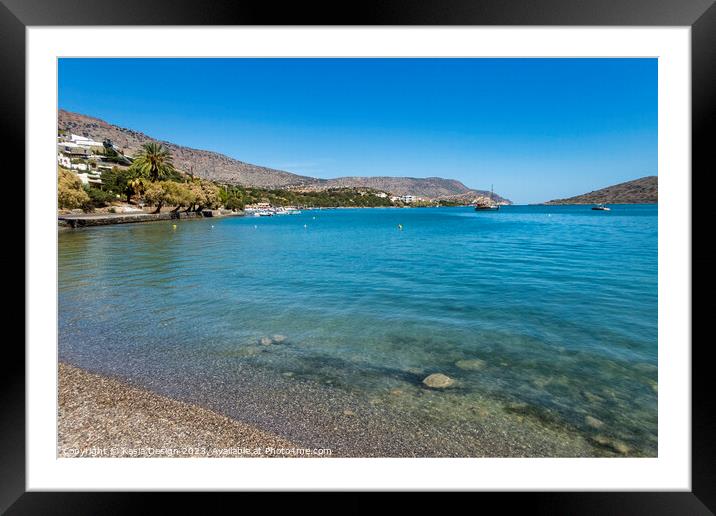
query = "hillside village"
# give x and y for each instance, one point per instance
(96, 175)
(225, 170)
(88, 158)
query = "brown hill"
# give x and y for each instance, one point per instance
(429, 187)
(639, 191)
(224, 169)
(205, 164)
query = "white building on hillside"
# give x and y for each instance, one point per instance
(63, 161)
(83, 141)
(90, 178)
(72, 149)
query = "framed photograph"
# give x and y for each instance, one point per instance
(429, 248)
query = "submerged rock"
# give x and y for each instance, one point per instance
(473, 364)
(480, 411)
(593, 422)
(278, 339)
(438, 381)
(265, 341)
(621, 447)
(348, 412)
(613, 444)
(602, 439)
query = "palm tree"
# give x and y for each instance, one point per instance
(154, 161)
(135, 186)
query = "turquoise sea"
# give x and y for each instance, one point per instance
(545, 317)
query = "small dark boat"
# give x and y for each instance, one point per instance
(601, 207)
(487, 205)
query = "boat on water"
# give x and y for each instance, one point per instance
(264, 209)
(490, 205)
(601, 207)
(286, 210)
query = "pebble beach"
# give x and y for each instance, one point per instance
(100, 416)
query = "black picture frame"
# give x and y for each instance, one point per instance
(700, 15)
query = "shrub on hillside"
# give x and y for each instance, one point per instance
(70, 194)
(98, 198)
(234, 203)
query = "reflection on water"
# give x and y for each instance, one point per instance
(546, 317)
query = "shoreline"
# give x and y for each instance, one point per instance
(73, 221)
(99, 416)
(84, 220)
(593, 203)
(103, 416)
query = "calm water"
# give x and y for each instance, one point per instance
(559, 303)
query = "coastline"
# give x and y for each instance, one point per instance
(76, 221)
(104, 219)
(593, 203)
(102, 417)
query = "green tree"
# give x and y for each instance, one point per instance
(135, 186)
(153, 161)
(211, 195)
(117, 180)
(168, 193)
(205, 194)
(234, 203)
(98, 198)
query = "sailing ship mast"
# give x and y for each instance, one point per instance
(488, 206)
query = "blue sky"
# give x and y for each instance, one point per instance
(537, 129)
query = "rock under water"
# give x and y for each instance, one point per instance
(438, 381)
(474, 364)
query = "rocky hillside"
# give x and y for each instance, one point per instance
(221, 168)
(639, 191)
(429, 187)
(205, 164)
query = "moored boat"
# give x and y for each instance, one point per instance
(490, 205)
(286, 210)
(486, 207)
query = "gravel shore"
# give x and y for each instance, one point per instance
(100, 416)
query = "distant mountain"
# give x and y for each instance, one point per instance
(223, 169)
(429, 187)
(638, 191)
